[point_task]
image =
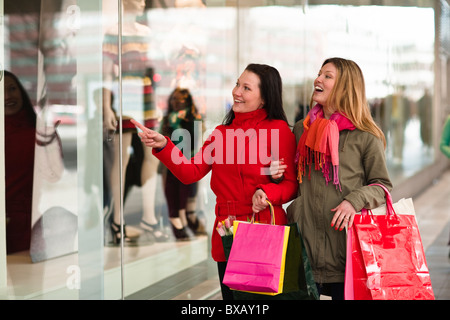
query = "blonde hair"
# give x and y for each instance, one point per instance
(349, 96)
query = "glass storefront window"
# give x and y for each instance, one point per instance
(395, 52)
(90, 182)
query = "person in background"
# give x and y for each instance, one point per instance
(445, 138)
(445, 147)
(21, 138)
(20, 125)
(340, 152)
(240, 176)
(181, 114)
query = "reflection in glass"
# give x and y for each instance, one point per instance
(20, 125)
(181, 121)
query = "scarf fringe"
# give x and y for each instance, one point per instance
(306, 163)
(319, 143)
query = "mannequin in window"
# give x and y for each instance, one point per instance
(137, 101)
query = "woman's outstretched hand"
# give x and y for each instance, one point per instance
(149, 137)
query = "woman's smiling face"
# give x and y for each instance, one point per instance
(324, 83)
(13, 96)
(246, 93)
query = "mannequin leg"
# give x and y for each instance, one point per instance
(115, 172)
(176, 197)
(149, 177)
(130, 233)
(193, 220)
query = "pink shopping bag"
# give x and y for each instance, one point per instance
(257, 258)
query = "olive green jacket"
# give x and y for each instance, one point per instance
(361, 162)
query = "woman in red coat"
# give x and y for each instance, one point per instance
(20, 137)
(238, 153)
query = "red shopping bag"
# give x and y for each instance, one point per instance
(385, 257)
(355, 271)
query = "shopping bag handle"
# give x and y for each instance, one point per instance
(272, 214)
(389, 204)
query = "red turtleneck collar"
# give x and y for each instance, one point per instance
(249, 118)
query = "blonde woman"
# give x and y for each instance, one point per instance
(340, 152)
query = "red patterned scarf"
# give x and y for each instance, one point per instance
(319, 144)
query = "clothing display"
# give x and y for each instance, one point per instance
(137, 72)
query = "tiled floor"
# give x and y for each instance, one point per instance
(439, 265)
(433, 217)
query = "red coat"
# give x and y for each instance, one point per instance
(20, 137)
(239, 161)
